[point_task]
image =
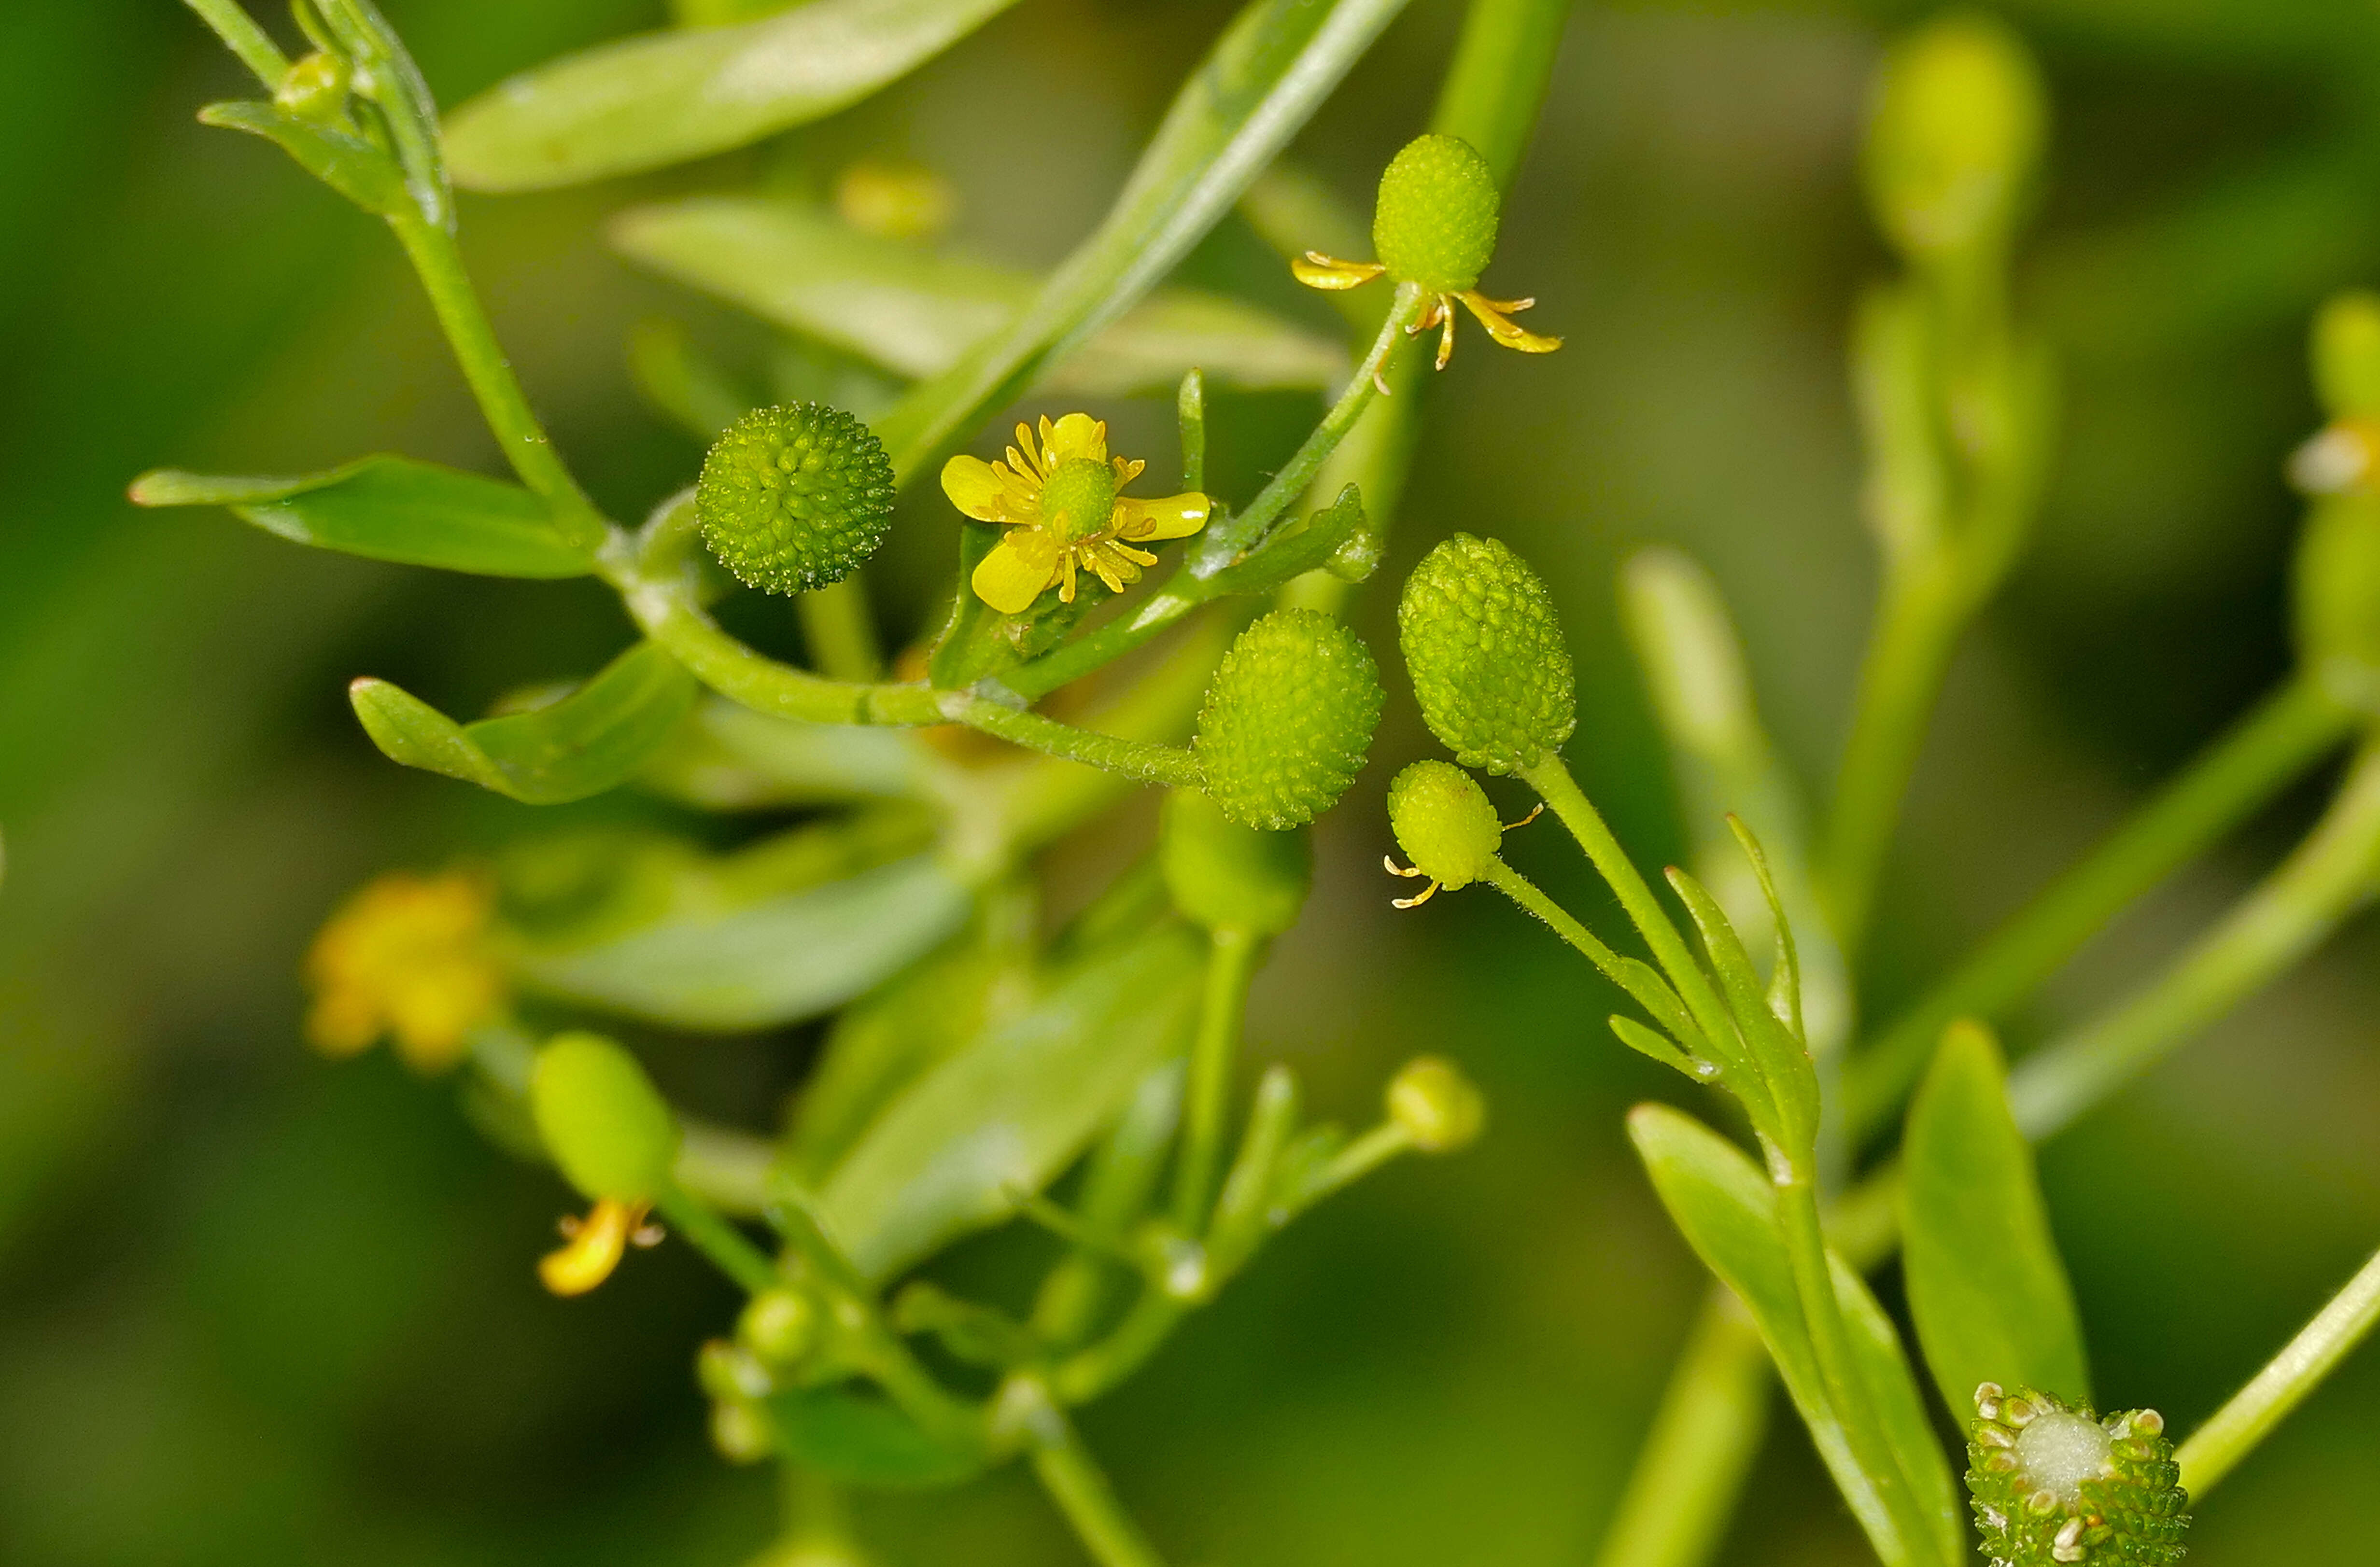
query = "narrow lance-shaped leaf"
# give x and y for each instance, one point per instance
(1727, 1212)
(391, 509)
(665, 98)
(591, 740)
(348, 164)
(1987, 1286)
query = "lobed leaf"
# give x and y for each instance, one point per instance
(663, 98)
(1987, 1286)
(391, 509)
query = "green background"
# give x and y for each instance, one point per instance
(256, 1308)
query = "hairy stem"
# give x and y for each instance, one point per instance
(1231, 963)
(1143, 759)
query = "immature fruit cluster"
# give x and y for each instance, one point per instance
(795, 498)
(1436, 220)
(1288, 720)
(2053, 1485)
(1444, 824)
(1484, 651)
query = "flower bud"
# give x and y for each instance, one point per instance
(1436, 220)
(315, 88)
(2347, 354)
(1444, 824)
(1288, 719)
(605, 1125)
(742, 1432)
(729, 1373)
(795, 498)
(1436, 1105)
(2053, 1485)
(1220, 873)
(1484, 649)
(779, 1326)
(1955, 126)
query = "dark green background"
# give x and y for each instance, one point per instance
(256, 1309)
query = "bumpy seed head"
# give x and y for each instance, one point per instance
(1484, 649)
(602, 1119)
(1220, 873)
(1440, 1109)
(793, 498)
(1436, 222)
(1078, 498)
(1955, 128)
(1444, 824)
(2052, 1486)
(1288, 719)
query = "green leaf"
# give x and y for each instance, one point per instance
(1726, 1210)
(591, 740)
(715, 962)
(1985, 1283)
(862, 1439)
(1267, 73)
(1007, 1113)
(663, 98)
(348, 164)
(391, 509)
(728, 757)
(916, 313)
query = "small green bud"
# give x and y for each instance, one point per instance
(1438, 1106)
(1220, 873)
(1484, 649)
(1955, 126)
(729, 1373)
(1288, 720)
(795, 498)
(315, 88)
(2053, 1485)
(1436, 222)
(603, 1121)
(779, 1326)
(742, 1432)
(2346, 354)
(1444, 824)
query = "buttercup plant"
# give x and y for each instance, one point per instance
(1072, 1089)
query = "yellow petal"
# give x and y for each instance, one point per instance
(974, 487)
(1019, 567)
(592, 1250)
(1172, 518)
(1491, 316)
(1077, 435)
(1318, 270)
(1126, 470)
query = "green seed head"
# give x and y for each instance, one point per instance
(2347, 354)
(1436, 220)
(1288, 720)
(1484, 651)
(1436, 1105)
(793, 498)
(605, 1125)
(1955, 128)
(1444, 824)
(2053, 1485)
(1079, 498)
(1223, 874)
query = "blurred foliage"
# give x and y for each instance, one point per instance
(257, 1309)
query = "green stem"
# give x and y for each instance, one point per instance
(244, 38)
(715, 1238)
(840, 630)
(2215, 1447)
(438, 261)
(2325, 880)
(1091, 1371)
(1190, 413)
(2286, 735)
(818, 1519)
(1143, 759)
(1075, 1481)
(1231, 963)
(1502, 64)
(1702, 1441)
(1909, 653)
(664, 609)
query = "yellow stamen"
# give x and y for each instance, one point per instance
(592, 1246)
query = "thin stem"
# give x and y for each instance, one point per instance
(1231, 962)
(841, 630)
(1502, 64)
(1091, 1371)
(717, 1239)
(817, 1519)
(1349, 1165)
(244, 38)
(1075, 1482)
(1909, 653)
(2216, 1448)
(1702, 1441)
(2286, 734)
(438, 261)
(1143, 759)
(2326, 878)
(1190, 411)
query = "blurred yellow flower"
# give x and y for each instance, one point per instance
(407, 956)
(1059, 500)
(591, 1247)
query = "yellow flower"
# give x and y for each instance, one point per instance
(407, 956)
(1059, 501)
